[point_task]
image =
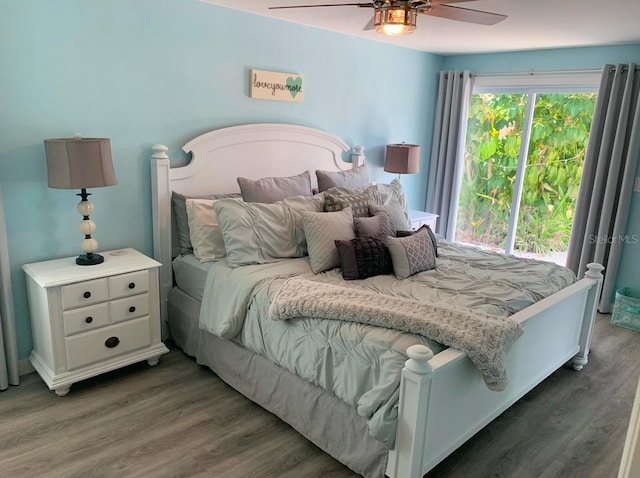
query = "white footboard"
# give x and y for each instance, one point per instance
(444, 400)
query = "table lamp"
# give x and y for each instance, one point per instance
(81, 163)
(402, 159)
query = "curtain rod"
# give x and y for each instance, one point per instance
(539, 72)
(549, 72)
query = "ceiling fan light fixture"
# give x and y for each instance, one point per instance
(395, 21)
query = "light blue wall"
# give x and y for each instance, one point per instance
(565, 59)
(143, 72)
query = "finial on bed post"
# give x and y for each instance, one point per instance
(357, 156)
(419, 356)
(594, 271)
(160, 151)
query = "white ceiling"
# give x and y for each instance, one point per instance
(532, 24)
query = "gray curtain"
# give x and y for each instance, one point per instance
(8, 344)
(599, 225)
(447, 152)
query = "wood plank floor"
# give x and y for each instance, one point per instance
(179, 420)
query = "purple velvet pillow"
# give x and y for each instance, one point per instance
(363, 257)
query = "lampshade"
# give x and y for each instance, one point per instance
(402, 158)
(77, 163)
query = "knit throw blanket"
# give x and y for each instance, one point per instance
(485, 339)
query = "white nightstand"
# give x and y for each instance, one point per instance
(87, 320)
(418, 218)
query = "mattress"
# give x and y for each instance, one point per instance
(190, 274)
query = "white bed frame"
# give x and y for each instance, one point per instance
(443, 398)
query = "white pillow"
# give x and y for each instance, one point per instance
(322, 229)
(206, 236)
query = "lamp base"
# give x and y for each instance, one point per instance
(89, 259)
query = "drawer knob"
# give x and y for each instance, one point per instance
(132, 285)
(88, 320)
(86, 295)
(112, 342)
(132, 309)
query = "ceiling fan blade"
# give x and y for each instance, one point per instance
(463, 14)
(325, 5)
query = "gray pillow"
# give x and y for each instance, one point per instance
(274, 189)
(359, 202)
(352, 178)
(412, 254)
(258, 233)
(322, 229)
(375, 226)
(178, 202)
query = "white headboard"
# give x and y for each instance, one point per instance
(253, 151)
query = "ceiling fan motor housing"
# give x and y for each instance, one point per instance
(395, 19)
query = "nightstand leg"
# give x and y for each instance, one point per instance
(61, 392)
(152, 362)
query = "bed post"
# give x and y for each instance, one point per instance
(357, 156)
(594, 271)
(405, 460)
(161, 213)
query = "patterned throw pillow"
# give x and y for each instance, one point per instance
(358, 202)
(412, 254)
(434, 241)
(364, 257)
(321, 230)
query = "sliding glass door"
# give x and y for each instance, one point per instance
(522, 167)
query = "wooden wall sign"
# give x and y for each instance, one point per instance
(272, 85)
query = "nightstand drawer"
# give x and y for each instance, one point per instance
(129, 284)
(129, 307)
(107, 342)
(84, 293)
(86, 318)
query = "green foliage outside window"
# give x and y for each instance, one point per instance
(558, 143)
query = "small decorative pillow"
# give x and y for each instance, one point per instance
(374, 226)
(273, 189)
(182, 221)
(412, 254)
(434, 241)
(359, 202)
(399, 219)
(364, 257)
(205, 233)
(322, 229)
(352, 178)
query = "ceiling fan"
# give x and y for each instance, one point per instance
(398, 17)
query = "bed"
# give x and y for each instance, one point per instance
(438, 400)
